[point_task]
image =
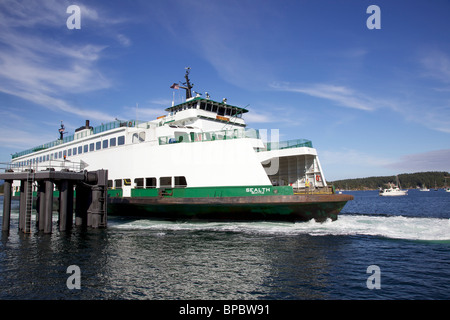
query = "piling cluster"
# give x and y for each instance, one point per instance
(84, 193)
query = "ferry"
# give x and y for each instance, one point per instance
(197, 161)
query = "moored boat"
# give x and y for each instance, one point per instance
(393, 190)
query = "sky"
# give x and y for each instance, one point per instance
(373, 101)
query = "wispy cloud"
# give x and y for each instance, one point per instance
(436, 64)
(339, 95)
(40, 67)
(436, 160)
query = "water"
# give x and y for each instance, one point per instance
(408, 238)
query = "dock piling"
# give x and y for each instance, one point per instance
(48, 206)
(90, 202)
(7, 192)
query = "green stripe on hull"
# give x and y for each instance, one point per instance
(213, 192)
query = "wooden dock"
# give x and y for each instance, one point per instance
(90, 200)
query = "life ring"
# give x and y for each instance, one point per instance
(318, 177)
(130, 124)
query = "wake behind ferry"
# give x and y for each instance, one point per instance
(199, 161)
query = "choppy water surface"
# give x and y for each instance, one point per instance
(408, 238)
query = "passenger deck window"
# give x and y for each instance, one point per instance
(150, 183)
(121, 140)
(118, 183)
(98, 145)
(180, 182)
(112, 142)
(105, 144)
(165, 182)
(139, 183)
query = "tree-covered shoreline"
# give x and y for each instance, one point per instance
(407, 181)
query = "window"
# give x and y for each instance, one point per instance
(98, 145)
(91, 147)
(85, 148)
(221, 111)
(139, 183)
(80, 149)
(150, 183)
(60, 154)
(112, 142)
(165, 182)
(110, 184)
(121, 140)
(202, 105)
(118, 183)
(69, 152)
(127, 182)
(180, 182)
(105, 144)
(74, 151)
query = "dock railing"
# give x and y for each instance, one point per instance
(56, 165)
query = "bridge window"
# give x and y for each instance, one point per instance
(118, 183)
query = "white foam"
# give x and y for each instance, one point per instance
(395, 227)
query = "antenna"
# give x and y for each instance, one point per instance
(61, 131)
(186, 85)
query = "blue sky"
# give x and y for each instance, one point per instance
(373, 101)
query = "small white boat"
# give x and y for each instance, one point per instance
(393, 190)
(424, 188)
